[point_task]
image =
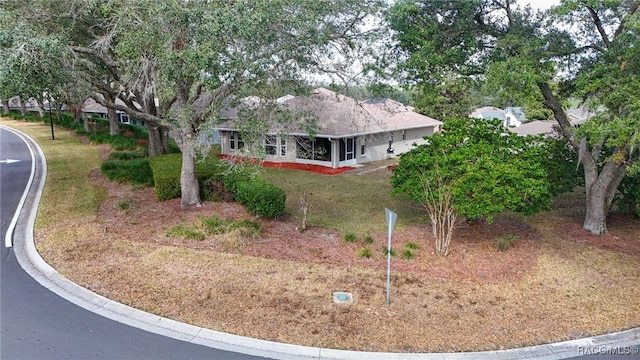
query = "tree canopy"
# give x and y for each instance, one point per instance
(473, 169)
(581, 49)
(175, 65)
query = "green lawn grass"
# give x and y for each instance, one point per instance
(347, 202)
(68, 164)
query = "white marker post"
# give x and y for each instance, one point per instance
(391, 221)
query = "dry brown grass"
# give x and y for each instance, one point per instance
(556, 283)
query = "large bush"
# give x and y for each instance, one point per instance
(261, 198)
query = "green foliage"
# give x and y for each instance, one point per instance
(349, 237)
(135, 171)
(409, 250)
(369, 239)
(386, 251)
(124, 205)
(564, 172)
(127, 155)
(166, 176)
(261, 198)
(184, 232)
(117, 142)
(246, 227)
(540, 61)
(504, 242)
(411, 246)
(364, 253)
(485, 168)
(628, 198)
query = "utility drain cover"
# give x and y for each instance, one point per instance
(340, 297)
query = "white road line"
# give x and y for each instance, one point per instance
(8, 239)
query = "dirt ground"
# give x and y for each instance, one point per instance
(555, 283)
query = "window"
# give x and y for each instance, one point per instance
(235, 141)
(283, 147)
(270, 145)
(362, 149)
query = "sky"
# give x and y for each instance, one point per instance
(540, 4)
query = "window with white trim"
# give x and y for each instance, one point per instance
(235, 141)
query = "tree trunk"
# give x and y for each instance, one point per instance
(23, 106)
(601, 184)
(600, 190)
(39, 105)
(5, 107)
(114, 126)
(190, 190)
(158, 142)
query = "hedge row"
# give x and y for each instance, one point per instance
(259, 197)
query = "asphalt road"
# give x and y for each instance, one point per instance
(38, 324)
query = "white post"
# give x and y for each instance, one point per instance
(391, 220)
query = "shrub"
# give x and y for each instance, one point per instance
(386, 251)
(369, 239)
(127, 155)
(409, 251)
(411, 246)
(136, 171)
(261, 198)
(184, 232)
(364, 253)
(124, 205)
(245, 227)
(349, 237)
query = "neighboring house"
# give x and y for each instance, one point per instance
(579, 115)
(349, 132)
(510, 117)
(536, 127)
(515, 116)
(91, 108)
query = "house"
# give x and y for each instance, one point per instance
(92, 108)
(349, 131)
(576, 117)
(515, 116)
(536, 127)
(510, 117)
(579, 115)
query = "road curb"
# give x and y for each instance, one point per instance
(31, 261)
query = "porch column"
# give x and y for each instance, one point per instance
(335, 153)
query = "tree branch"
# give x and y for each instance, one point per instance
(598, 24)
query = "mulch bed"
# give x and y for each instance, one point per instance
(318, 169)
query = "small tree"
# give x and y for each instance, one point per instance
(473, 169)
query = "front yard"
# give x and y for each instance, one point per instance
(554, 283)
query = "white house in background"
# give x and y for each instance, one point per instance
(349, 132)
(92, 108)
(577, 116)
(515, 116)
(510, 117)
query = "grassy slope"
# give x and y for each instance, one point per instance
(346, 202)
